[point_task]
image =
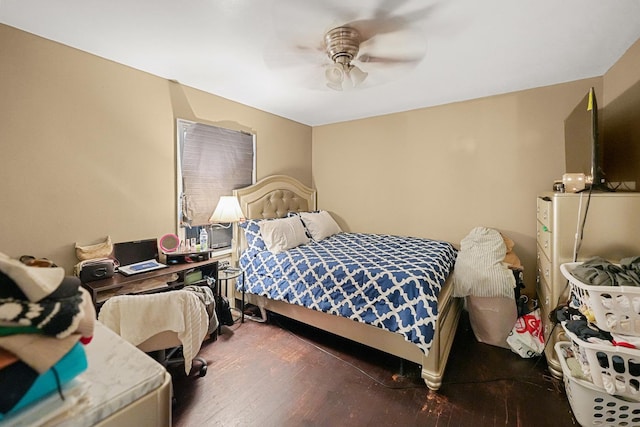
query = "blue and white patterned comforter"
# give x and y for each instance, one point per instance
(387, 281)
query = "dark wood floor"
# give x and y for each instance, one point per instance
(287, 374)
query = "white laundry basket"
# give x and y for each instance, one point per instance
(591, 405)
(616, 308)
(614, 369)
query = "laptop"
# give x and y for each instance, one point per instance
(138, 256)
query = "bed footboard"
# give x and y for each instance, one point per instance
(433, 364)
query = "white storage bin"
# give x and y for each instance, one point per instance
(614, 369)
(615, 308)
(591, 405)
(492, 318)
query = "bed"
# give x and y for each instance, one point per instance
(122, 386)
(435, 312)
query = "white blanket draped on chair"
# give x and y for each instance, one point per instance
(137, 318)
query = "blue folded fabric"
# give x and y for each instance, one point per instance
(67, 368)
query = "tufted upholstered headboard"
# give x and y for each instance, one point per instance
(273, 197)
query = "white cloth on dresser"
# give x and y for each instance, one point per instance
(137, 318)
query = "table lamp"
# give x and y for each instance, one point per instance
(227, 211)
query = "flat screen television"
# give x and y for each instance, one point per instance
(582, 143)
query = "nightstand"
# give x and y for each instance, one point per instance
(231, 274)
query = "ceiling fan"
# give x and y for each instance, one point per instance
(361, 48)
(342, 45)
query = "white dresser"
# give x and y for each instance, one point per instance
(612, 231)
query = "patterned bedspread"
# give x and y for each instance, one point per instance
(387, 281)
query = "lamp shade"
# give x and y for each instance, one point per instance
(357, 75)
(227, 210)
(344, 76)
(335, 76)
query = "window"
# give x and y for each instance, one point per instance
(211, 162)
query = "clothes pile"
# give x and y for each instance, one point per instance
(598, 271)
(575, 322)
(45, 320)
(613, 297)
(488, 274)
(483, 265)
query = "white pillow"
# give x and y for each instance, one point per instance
(320, 224)
(282, 234)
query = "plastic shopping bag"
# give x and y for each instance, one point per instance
(526, 337)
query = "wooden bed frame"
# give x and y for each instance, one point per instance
(274, 197)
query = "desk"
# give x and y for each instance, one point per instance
(226, 275)
(102, 290)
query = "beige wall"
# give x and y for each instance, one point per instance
(89, 150)
(88, 147)
(439, 172)
(622, 75)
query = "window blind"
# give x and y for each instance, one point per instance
(213, 161)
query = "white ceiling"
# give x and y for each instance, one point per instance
(245, 50)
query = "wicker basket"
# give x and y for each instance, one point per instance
(591, 406)
(615, 308)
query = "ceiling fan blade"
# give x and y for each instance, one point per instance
(369, 28)
(388, 60)
(408, 43)
(387, 21)
(291, 59)
(385, 6)
(421, 15)
(282, 52)
(316, 17)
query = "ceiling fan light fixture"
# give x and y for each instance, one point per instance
(335, 74)
(343, 44)
(344, 76)
(357, 75)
